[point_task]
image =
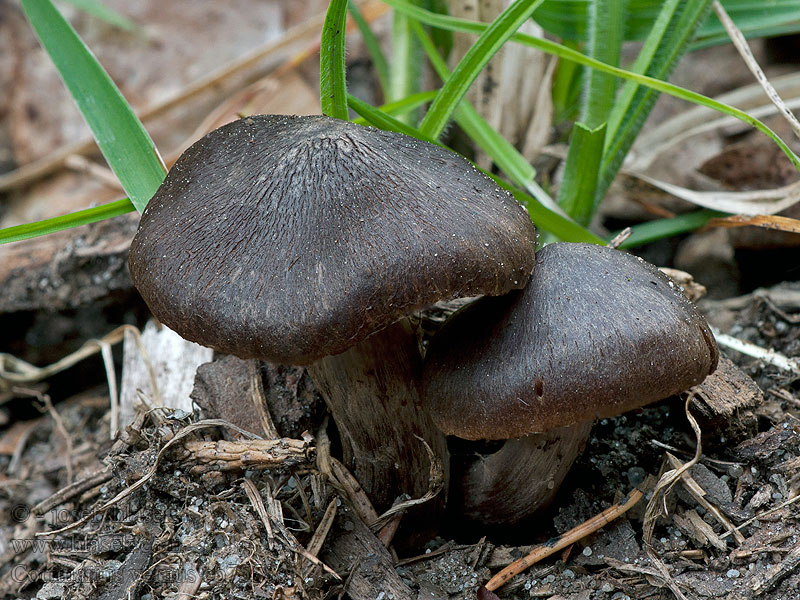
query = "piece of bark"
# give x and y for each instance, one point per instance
(174, 362)
(692, 525)
(127, 580)
(355, 551)
(726, 390)
(67, 269)
(230, 388)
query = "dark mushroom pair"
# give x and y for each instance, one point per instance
(307, 240)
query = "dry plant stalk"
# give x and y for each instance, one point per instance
(259, 454)
(741, 45)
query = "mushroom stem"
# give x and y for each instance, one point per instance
(371, 391)
(520, 478)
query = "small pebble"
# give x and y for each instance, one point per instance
(587, 551)
(607, 587)
(733, 573)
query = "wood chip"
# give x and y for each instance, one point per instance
(726, 390)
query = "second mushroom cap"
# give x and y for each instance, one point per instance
(596, 332)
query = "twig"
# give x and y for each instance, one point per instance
(782, 505)
(435, 485)
(258, 504)
(620, 237)
(771, 357)
(698, 493)
(564, 540)
(68, 492)
(777, 573)
(741, 45)
(150, 472)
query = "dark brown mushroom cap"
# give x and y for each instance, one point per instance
(292, 238)
(597, 332)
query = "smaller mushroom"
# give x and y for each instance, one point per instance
(596, 332)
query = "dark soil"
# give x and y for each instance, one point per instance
(194, 529)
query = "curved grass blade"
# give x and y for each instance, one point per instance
(499, 149)
(651, 231)
(76, 219)
(332, 75)
(382, 120)
(402, 106)
(635, 102)
(120, 136)
(543, 217)
(100, 11)
(565, 53)
(468, 68)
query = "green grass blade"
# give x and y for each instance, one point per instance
(500, 150)
(568, 20)
(569, 54)
(76, 219)
(606, 31)
(651, 231)
(400, 107)
(671, 36)
(382, 120)
(373, 47)
(643, 61)
(332, 74)
(472, 63)
(577, 192)
(542, 216)
(406, 71)
(104, 13)
(546, 219)
(120, 136)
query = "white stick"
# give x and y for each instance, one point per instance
(768, 356)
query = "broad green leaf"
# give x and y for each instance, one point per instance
(332, 74)
(76, 219)
(120, 136)
(468, 68)
(577, 192)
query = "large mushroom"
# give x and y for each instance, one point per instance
(296, 239)
(596, 332)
